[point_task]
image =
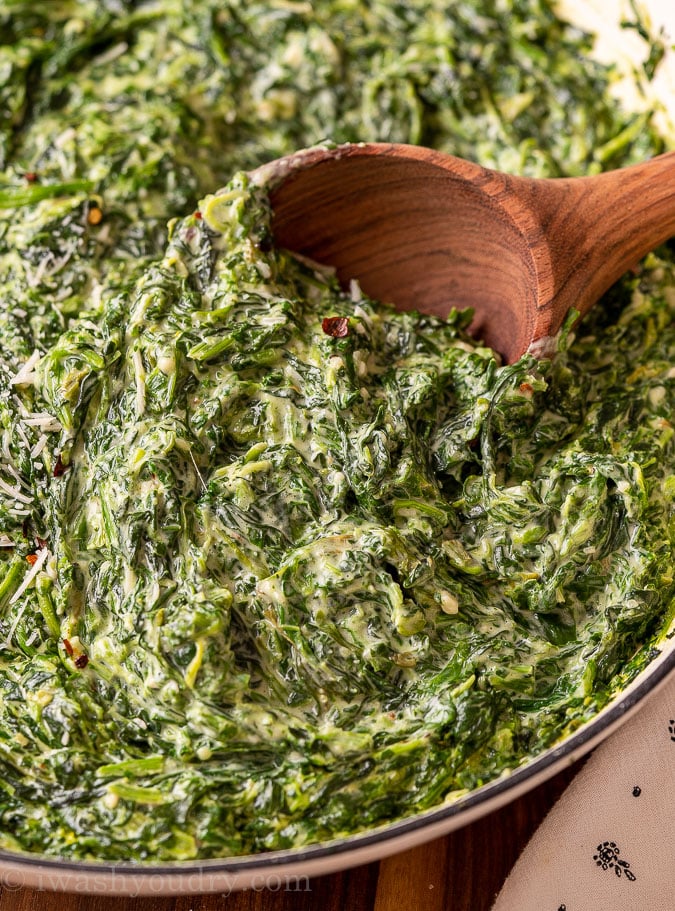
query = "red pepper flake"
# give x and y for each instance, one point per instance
(41, 542)
(526, 388)
(335, 326)
(81, 660)
(32, 559)
(68, 647)
(59, 467)
(31, 177)
(197, 214)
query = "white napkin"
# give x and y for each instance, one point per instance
(609, 842)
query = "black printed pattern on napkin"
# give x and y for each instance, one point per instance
(608, 858)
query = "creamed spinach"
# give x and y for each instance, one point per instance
(277, 563)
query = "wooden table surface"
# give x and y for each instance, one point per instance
(461, 872)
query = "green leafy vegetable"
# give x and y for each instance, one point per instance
(277, 563)
(12, 197)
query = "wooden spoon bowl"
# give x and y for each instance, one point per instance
(425, 230)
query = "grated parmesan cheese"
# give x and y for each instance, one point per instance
(14, 492)
(15, 474)
(45, 422)
(26, 374)
(34, 570)
(22, 434)
(20, 405)
(39, 446)
(42, 555)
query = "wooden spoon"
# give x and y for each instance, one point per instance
(421, 229)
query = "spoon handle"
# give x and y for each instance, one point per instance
(598, 227)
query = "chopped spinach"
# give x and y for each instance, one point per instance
(278, 563)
